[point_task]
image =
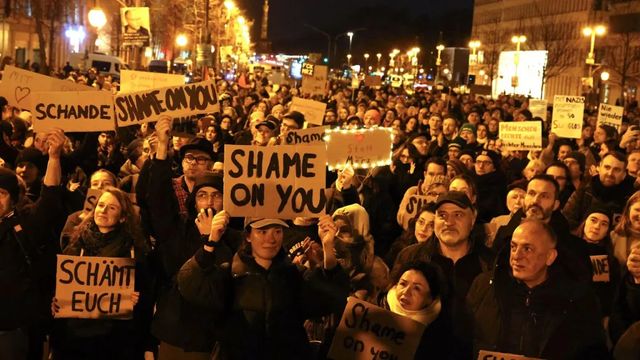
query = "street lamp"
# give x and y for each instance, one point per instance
(604, 76)
(392, 55)
(349, 59)
(517, 39)
(97, 18)
(598, 30)
(379, 56)
(366, 59)
(350, 35)
(181, 40)
(473, 45)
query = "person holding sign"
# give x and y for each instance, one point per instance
(421, 295)
(594, 230)
(531, 307)
(27, 257)
(111, 229)
(268, 297)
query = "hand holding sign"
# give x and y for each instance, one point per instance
(55, 140)
(204, 221)
(163, 129)
(633, 264)
(345, 177)
(219, 225)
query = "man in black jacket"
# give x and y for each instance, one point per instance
(530, 307)
(27, 258)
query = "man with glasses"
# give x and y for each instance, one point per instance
(180, 327)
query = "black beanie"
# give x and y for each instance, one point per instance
(35, 157)
(9, 182)
(208, 179)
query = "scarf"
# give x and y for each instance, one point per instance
(424, 316)
(95, 243)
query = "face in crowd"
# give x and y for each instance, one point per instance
(541, 200)
(424, 226)
(515, 200)
(453, 224)
(208, 197)
(596, 227)
(484, 165)
(532, 252)
(108, 213)
(265, 243)
(433, 171)
(449, 127)
(611, 171)
(421, 144)
(461, 185)
(413, 291)
(100, 180)
(633, 163)
(195, 163)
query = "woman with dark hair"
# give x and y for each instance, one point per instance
(111, 229)
(215, 136)
(420, 230)
(420, 293)
(262, 298)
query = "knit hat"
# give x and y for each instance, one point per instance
(495, 157)
(9, 182)
(208, 179)
(579, 157)
(296, 116)
(468, 127)
(600, 210)
(454, 144)
(33, 156)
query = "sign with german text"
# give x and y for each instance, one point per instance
(521, 135)
(494, 355)
(285, 181)
(362, 148)
(90, 287)
(131, 80)
(313, 110)
(538, 108)
(174, 101)
(315, 84)
(369, 332)
(18, 86)
(610, 115)
(72, 111)
(568, 113)
(314, 135)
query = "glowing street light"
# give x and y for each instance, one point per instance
(181, 40)
(97, 18)
(598, 30)
(350, 35)
(518, 40)
(349, 59)
(230, 5)
(604, 76)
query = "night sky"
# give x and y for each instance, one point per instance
(387, 24)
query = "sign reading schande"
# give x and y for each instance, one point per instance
(175, 101)
(72, 111)
(94, 287)
(285, 181)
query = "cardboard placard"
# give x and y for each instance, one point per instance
(415, 203)
(175, 101)
(131, 80)
(368, 332)
(610, 115)
(307, 69)
(601, 270)
(18, 86)
(362, 148)
(568, 113)
(91, 199)
(313, 111)
(373, 81)
(494, 355)
(284, 182)
(538, 108)
(521, 135)
(72, 111)
(396, 81)
(317, 83)
(310, 136)
(89, 287)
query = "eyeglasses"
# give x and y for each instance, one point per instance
(200, 160)
(217, 196)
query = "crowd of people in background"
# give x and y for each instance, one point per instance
(498, 258)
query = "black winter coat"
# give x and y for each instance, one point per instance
(263, 309)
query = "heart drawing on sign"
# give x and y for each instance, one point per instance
(359, 137)
(21, 93)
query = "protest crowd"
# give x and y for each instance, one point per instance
(487, 247)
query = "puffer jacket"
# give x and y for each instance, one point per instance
(263, 309)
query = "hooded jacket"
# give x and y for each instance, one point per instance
(355, 252)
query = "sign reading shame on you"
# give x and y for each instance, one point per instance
(284, 181)
(175, 101)
(369, 332)
(95, 287)
(73, 111)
